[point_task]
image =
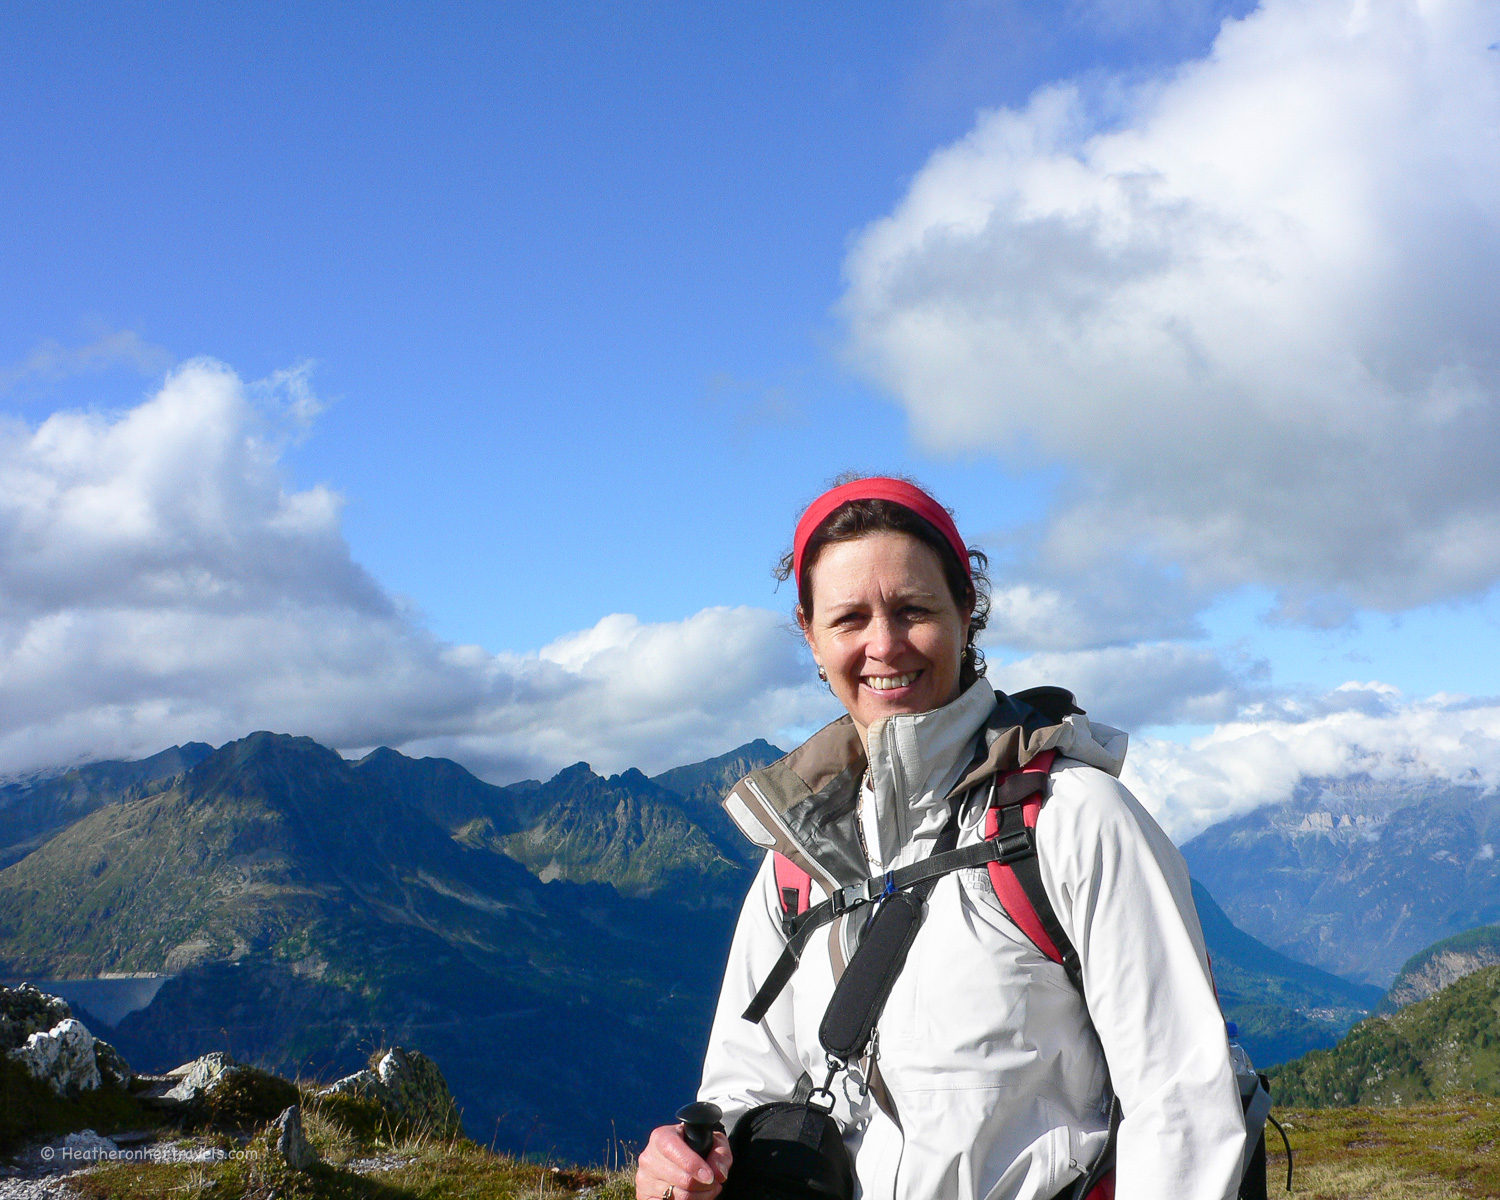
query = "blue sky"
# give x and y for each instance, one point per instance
(545, 259)
(581, 303)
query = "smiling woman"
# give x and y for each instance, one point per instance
(888, 636)
(945, 1044)
(897, 583)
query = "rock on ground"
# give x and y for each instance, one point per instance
(62, 1057)
(36, 1189)
(86, 1144)
(407, 1084)
(291, 1144)
(198, 1076)
(28, 1014)
(113, 1068)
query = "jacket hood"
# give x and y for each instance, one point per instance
(802, 805)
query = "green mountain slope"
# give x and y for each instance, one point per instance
(627, 831)
(309, 906)
(1446, 962)
(1438, 1047)
(1283, 1008)
(37, 809)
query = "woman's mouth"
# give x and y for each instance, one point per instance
(889, 683)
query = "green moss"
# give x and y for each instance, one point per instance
(245, 1099)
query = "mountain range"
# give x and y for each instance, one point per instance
(308, 907)
(1357, 875)
(31, 811)
(555, 947)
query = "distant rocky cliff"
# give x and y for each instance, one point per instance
(1356, 875)
(1445, 963)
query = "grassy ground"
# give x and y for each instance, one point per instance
(419, 1166)
(1440, 1150)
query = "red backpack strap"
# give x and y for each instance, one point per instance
(1018, 884)
(1018, 799)
(793, 890)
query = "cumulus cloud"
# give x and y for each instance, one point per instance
(644, 695)
(1247, 304)
(1358, 729)
(159, 582)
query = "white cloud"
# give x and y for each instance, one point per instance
(1250, 303)
(1150, 684)
(160, 583)
(626, 693)
(1358, 729)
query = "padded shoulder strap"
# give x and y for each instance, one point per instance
(1018, 799)
(793, 891)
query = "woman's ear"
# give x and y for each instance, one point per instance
(807, 635)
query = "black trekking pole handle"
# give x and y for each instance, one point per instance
(699, 1123)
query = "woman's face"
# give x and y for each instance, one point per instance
(884, 627)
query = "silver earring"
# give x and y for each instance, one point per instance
(823, 675)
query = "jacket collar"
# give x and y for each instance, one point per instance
(914, 759)
(803, 805)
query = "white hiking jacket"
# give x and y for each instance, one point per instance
(987, 1079)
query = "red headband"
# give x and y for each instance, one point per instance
(878, 488)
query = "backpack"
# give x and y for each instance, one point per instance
(1009, 853)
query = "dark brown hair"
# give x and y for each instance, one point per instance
(860, 518)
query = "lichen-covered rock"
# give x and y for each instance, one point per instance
(291, 1144)
(408, 1085)
(61, 1057)
(26, 1010)
(198, 1076)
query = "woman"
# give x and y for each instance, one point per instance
(990, 1076)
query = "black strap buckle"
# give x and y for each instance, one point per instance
(1016, 845)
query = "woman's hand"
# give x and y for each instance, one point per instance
(666, 1162)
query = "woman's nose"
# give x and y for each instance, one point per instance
(884, 639)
